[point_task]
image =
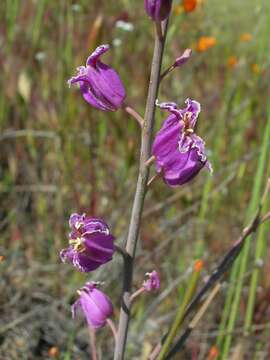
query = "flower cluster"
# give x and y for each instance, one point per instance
(178, 152)
(91, 245)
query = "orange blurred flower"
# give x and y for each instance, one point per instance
(256, 68)
(2, 258)
(199, 264)
(213, 353)
(232, 61)
(205, 43)
(245, 37)
(189, 5)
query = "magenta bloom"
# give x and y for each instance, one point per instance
(100, 85)
(91, 244)
(179, 152)
(94, 304)
(153, 281)
(158, 10)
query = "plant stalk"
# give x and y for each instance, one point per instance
(243, 260)
(137, 208)
(191, 288)
(92, 334)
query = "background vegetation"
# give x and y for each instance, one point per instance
(60, 156)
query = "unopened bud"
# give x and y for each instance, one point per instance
(158, 10)
(181, 60)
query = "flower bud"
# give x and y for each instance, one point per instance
(91, 244)
(181, 60)
(158, 10)
(153, 281)
(94, 304)
(100, 85)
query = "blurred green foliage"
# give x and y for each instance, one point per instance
(60, 156)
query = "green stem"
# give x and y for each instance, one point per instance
(227, 306)
(245, 253)
(193, 282)
(216, 148)
(12, 10)
(259, 252)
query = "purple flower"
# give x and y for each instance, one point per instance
(91, 244)
(158, 10)
(95, 305)
(153, 281)
(179, 152)
(100, 85)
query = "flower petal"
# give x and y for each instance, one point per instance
(193, 107)
(94, 57)
(84, 263)
(94, 225)
(171, 107)
(165, 146)
(75, 219)
(99, 246)
(179, 175)
(106, 85)
(67, 255)
(75, 307)
(199, 144)
(96, 307)
(103, 302)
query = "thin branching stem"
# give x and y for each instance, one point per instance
(153, 179)
(166, 72)
(111, 325)
(150, 161)
(134, 114)
(137, 293)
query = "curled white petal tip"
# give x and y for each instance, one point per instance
(209, 167)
